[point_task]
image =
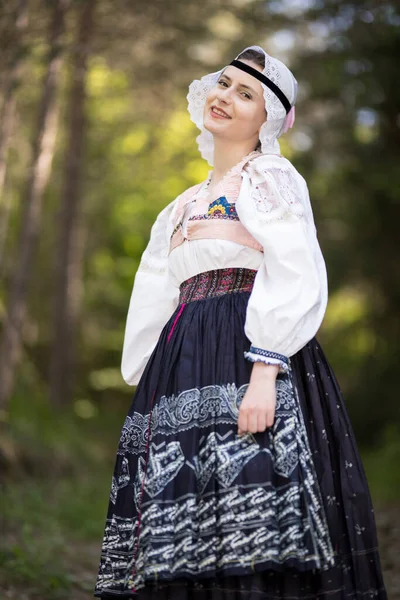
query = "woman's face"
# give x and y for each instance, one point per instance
(240, 97)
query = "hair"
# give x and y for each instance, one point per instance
(259, 59)
(254, 56)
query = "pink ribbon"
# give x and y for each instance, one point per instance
(290, 117)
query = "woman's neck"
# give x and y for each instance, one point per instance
(226, 157)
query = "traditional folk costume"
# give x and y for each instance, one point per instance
(197, 512)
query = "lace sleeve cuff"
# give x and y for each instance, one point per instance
(270, 358)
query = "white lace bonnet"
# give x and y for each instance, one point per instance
(280, 108)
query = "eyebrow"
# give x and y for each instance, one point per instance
(241, 84)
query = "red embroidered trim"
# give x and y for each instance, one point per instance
(175, 321)
(217, 282)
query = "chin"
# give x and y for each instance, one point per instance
(209, 126)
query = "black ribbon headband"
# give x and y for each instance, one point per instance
(261, 77)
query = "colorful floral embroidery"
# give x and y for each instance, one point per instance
(218, 216)
(218, 209)
(221, 206)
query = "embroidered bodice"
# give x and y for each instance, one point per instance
(197, 218)
(258, 217)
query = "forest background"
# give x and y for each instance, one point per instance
(95, 139)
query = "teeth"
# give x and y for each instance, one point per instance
(219, 113)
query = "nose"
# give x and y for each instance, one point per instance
(224, 95)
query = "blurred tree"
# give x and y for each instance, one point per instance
(345, 59)
(43, 150)
(16, 48)
(71, 224)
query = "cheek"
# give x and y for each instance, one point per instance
(260, 109)
(206, 105)
(253, 115)
(259, 116)
(211, 96)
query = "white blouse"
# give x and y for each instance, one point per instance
(289, 296)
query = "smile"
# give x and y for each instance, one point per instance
(219, 113)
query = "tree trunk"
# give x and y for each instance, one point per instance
(7, 112)
(72, 230)
(43, 150)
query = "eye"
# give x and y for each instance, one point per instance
(226, 84)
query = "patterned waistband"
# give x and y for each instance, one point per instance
(217, 282)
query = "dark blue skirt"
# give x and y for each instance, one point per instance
(197, 512)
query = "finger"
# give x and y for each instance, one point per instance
(262, 421)
(270, 417)
(252, 421)
(242, 421)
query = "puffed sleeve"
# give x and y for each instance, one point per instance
(153, 300)
(289, 297)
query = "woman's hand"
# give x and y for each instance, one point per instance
(257, 410)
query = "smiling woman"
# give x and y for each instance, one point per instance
(235, 108)
(237, 474)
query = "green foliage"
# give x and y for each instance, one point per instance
(54, 502)
(34, 559)
(381, 465)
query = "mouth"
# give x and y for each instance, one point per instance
(219, 113)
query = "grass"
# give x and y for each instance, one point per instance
(53, 534)
(54, 500)
(381, 466)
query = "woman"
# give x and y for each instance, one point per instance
(237, 473)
